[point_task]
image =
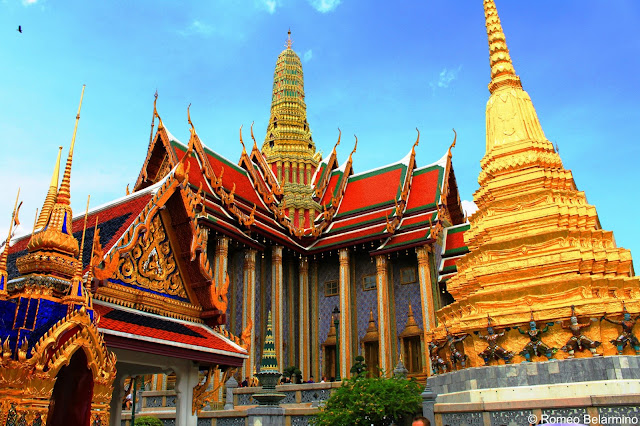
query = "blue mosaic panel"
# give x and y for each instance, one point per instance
(300, 420)
(171, 401)
(238, 262)
(366, 301)
(406, 293)
(154, 401)
(245, 399)
(285, 312)
(290, 398)
(230, 421)
(204, 422)
(328, 270)
(314, 395)
(257, 324)
(168, 422)
(462, 419)
(510, 418)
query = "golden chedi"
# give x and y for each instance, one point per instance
(288, 146)
(536, 245)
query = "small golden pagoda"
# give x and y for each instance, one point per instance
(288, 146)
(54, 368)
(536, 245)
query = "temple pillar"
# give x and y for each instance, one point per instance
(346, 333)
(186, 380)
(115, 408)
(287, 170)
(426, 296)
(220, 261)
(385, 344)
(279, 171)
(315, 347)
(249, 303)
(277, 305)
(304, 320)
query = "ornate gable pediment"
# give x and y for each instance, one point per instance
(151, 265)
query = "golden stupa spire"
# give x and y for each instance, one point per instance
(4, 276)
(289, 41)
(57, 233)
(63, 193)
(502, 71)
(50, 199)
(76, 293)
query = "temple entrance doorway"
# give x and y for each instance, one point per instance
(72, 394)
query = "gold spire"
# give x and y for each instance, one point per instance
(4, 276)
(289, 42)
(50, 199)
(63, 193)
(502, 71)
(57, 234)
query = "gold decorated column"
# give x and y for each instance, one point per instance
(426, 295)
(249, 279)
(277, 305)
(384, 315)
(221, 256)
(304, 320)
(315, 347)
(345, 333)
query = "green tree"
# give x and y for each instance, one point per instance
(359, 367)
(365, 401)
(293, 373)
(148, 421)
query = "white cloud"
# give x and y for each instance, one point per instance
(306, 57)
(269, 5)
(324, 6)
(469, 207)
(29, 2)
(445, 78)
(197, 28)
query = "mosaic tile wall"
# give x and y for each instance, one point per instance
(365, 300)
(237, 281)
(328, 270)
(257, 320)
(406, 293)
(285, 310)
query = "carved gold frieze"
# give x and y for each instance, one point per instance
(151, 263)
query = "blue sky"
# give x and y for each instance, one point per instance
(373, 68)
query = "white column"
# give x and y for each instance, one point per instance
(115, 410)
(186, 380)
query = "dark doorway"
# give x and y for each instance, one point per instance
(72, 394)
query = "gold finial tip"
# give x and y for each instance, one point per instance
(289, 42)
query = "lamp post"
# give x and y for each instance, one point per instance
(336, 322)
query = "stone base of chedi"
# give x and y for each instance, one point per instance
(547, 392)
(537, 253)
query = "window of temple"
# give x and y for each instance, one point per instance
(369, 282)
(411, 344)
(370, 347)
(331, 288)
(171, 381)
(330, 361)
(329, 351)
(372, 358)
(408, 275)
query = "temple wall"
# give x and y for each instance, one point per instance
(366, 300)
(328, 270)
(406, 293)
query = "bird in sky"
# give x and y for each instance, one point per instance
(19, 29)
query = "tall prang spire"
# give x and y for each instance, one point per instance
(502, 71)
(57, 234)
(288, 146)
(512, 122)
(535, 243)
(50, 199)
(64, 191)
